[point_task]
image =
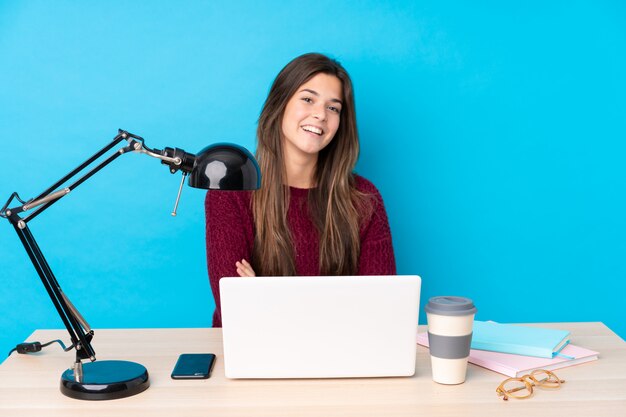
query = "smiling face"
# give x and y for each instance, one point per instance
(312, 116)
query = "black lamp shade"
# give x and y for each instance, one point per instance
(225, 166)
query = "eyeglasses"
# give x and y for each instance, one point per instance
(522, 387)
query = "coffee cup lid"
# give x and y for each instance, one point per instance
(450, 306)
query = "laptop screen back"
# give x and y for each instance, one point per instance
(320, 327)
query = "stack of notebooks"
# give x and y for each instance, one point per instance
(516, 350)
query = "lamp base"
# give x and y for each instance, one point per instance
(106, 380)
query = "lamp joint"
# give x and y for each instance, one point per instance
(78, 371)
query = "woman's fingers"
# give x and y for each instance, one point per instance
(244, 269)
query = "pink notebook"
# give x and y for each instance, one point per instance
(518, 365)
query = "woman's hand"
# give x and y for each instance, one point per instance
(244, 269)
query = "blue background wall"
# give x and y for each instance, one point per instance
(494, 132)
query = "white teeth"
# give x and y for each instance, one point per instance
(312, 129)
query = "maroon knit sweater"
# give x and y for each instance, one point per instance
(230, 236)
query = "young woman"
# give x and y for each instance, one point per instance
(312, 214)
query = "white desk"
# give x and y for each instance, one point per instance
(29, 384)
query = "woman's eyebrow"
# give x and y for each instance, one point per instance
(315, 93)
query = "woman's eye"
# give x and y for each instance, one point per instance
(334, 109)
(307, 99)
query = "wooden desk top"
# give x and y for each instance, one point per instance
(29, 384)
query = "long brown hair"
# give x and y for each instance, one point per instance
(335, 204)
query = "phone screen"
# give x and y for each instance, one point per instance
(193, 366)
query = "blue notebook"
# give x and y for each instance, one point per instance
(519, 340)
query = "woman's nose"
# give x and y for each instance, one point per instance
(319, 112)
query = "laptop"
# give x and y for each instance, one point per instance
(320, 327)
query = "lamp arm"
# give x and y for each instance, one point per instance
(78, 328)
(175, 158)
(117, 139)
(80, 339)
(50, 196)
(167, 159)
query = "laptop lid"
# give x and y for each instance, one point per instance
(320, 327)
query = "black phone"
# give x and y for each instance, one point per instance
(194, 366)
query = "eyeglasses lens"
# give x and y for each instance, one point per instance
(516, 388)
(546, 379)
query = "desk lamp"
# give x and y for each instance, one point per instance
(218, 167)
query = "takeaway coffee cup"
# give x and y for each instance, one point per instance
(450, 321)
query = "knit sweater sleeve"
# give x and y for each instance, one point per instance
(377, 257)
(229, 238)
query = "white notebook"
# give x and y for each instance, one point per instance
(320, 327)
